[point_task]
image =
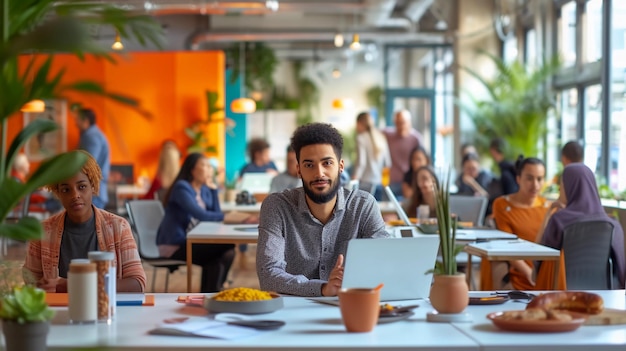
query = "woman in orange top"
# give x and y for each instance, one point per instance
(521, 213)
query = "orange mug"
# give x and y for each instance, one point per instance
(360, 308)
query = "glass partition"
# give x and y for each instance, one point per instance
(567, 33)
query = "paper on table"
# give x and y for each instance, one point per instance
(203, 327)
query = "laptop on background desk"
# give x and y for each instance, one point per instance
(464, 235)
(399, 263)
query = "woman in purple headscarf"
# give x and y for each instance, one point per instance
(580, 192)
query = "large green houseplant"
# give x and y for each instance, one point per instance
(516, 108)
(49, 27)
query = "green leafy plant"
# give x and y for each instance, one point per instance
(376, 98)
(260, 62)
(447, 229)
(197, 131)
(517, 106)
(25, 304)
(49, 26)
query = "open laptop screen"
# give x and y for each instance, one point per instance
(399, 210)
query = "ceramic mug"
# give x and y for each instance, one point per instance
(360, 308)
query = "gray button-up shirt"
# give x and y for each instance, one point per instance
(296, 252)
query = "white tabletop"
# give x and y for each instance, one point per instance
(219, 230)
(610, 337)
(313, 326)
(310, 326)
(231, 206)
(517, 248)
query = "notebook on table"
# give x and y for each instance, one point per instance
(398, 263)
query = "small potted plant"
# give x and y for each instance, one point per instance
(25, 318)
(449, 291)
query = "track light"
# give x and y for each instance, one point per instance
(355, 45)
(117, 44)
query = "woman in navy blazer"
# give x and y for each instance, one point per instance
(189, 201)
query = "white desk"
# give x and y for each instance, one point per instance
(231, 206)
(507, 250)
(218, 233)
(489, 337)
(312, 326)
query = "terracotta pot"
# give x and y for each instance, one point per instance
(28, 336)
(449, 293)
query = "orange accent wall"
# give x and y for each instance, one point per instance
(170, 86)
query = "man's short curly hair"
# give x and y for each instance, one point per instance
(90, 169)
(317, 133)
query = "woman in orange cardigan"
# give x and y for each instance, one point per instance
(521, 213)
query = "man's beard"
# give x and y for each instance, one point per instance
(323, 197)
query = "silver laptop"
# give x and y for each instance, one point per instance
(399, 263)
(256, 183)
(396, 204)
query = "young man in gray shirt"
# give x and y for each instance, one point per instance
(304, 232)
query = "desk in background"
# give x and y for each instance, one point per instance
(218, 233)
(507, 250)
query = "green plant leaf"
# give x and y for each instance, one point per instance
(37, 126)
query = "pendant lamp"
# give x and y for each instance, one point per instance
(34, 106)
(117, 44)
(242, 104)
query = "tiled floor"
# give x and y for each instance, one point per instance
(242, 273)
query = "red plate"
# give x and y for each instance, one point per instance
(537, 326)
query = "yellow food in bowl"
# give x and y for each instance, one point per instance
(242, 294)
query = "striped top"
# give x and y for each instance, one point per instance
(114, 235)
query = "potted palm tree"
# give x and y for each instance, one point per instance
(46, 26)
(516, 106)
(25, 318)
(449, 292)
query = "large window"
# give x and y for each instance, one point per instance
(568, 102)
(593, 31)
(593, 127)
(567, 33)
(617, 137)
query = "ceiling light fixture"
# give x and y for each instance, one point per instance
(336, 73)
(356, 44)
(34, 106)
(338, 40)
(342, 103)
(272, 5)
(242, 104)
(117, 44)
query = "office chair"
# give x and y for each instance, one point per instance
(469, 208)
(145, 218)
(587, 253)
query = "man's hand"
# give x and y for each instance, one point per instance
(334, 279)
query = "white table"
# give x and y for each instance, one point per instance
(310, 326)
(313, 326)
(519, 249)
(489, 337)
(218, 233)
